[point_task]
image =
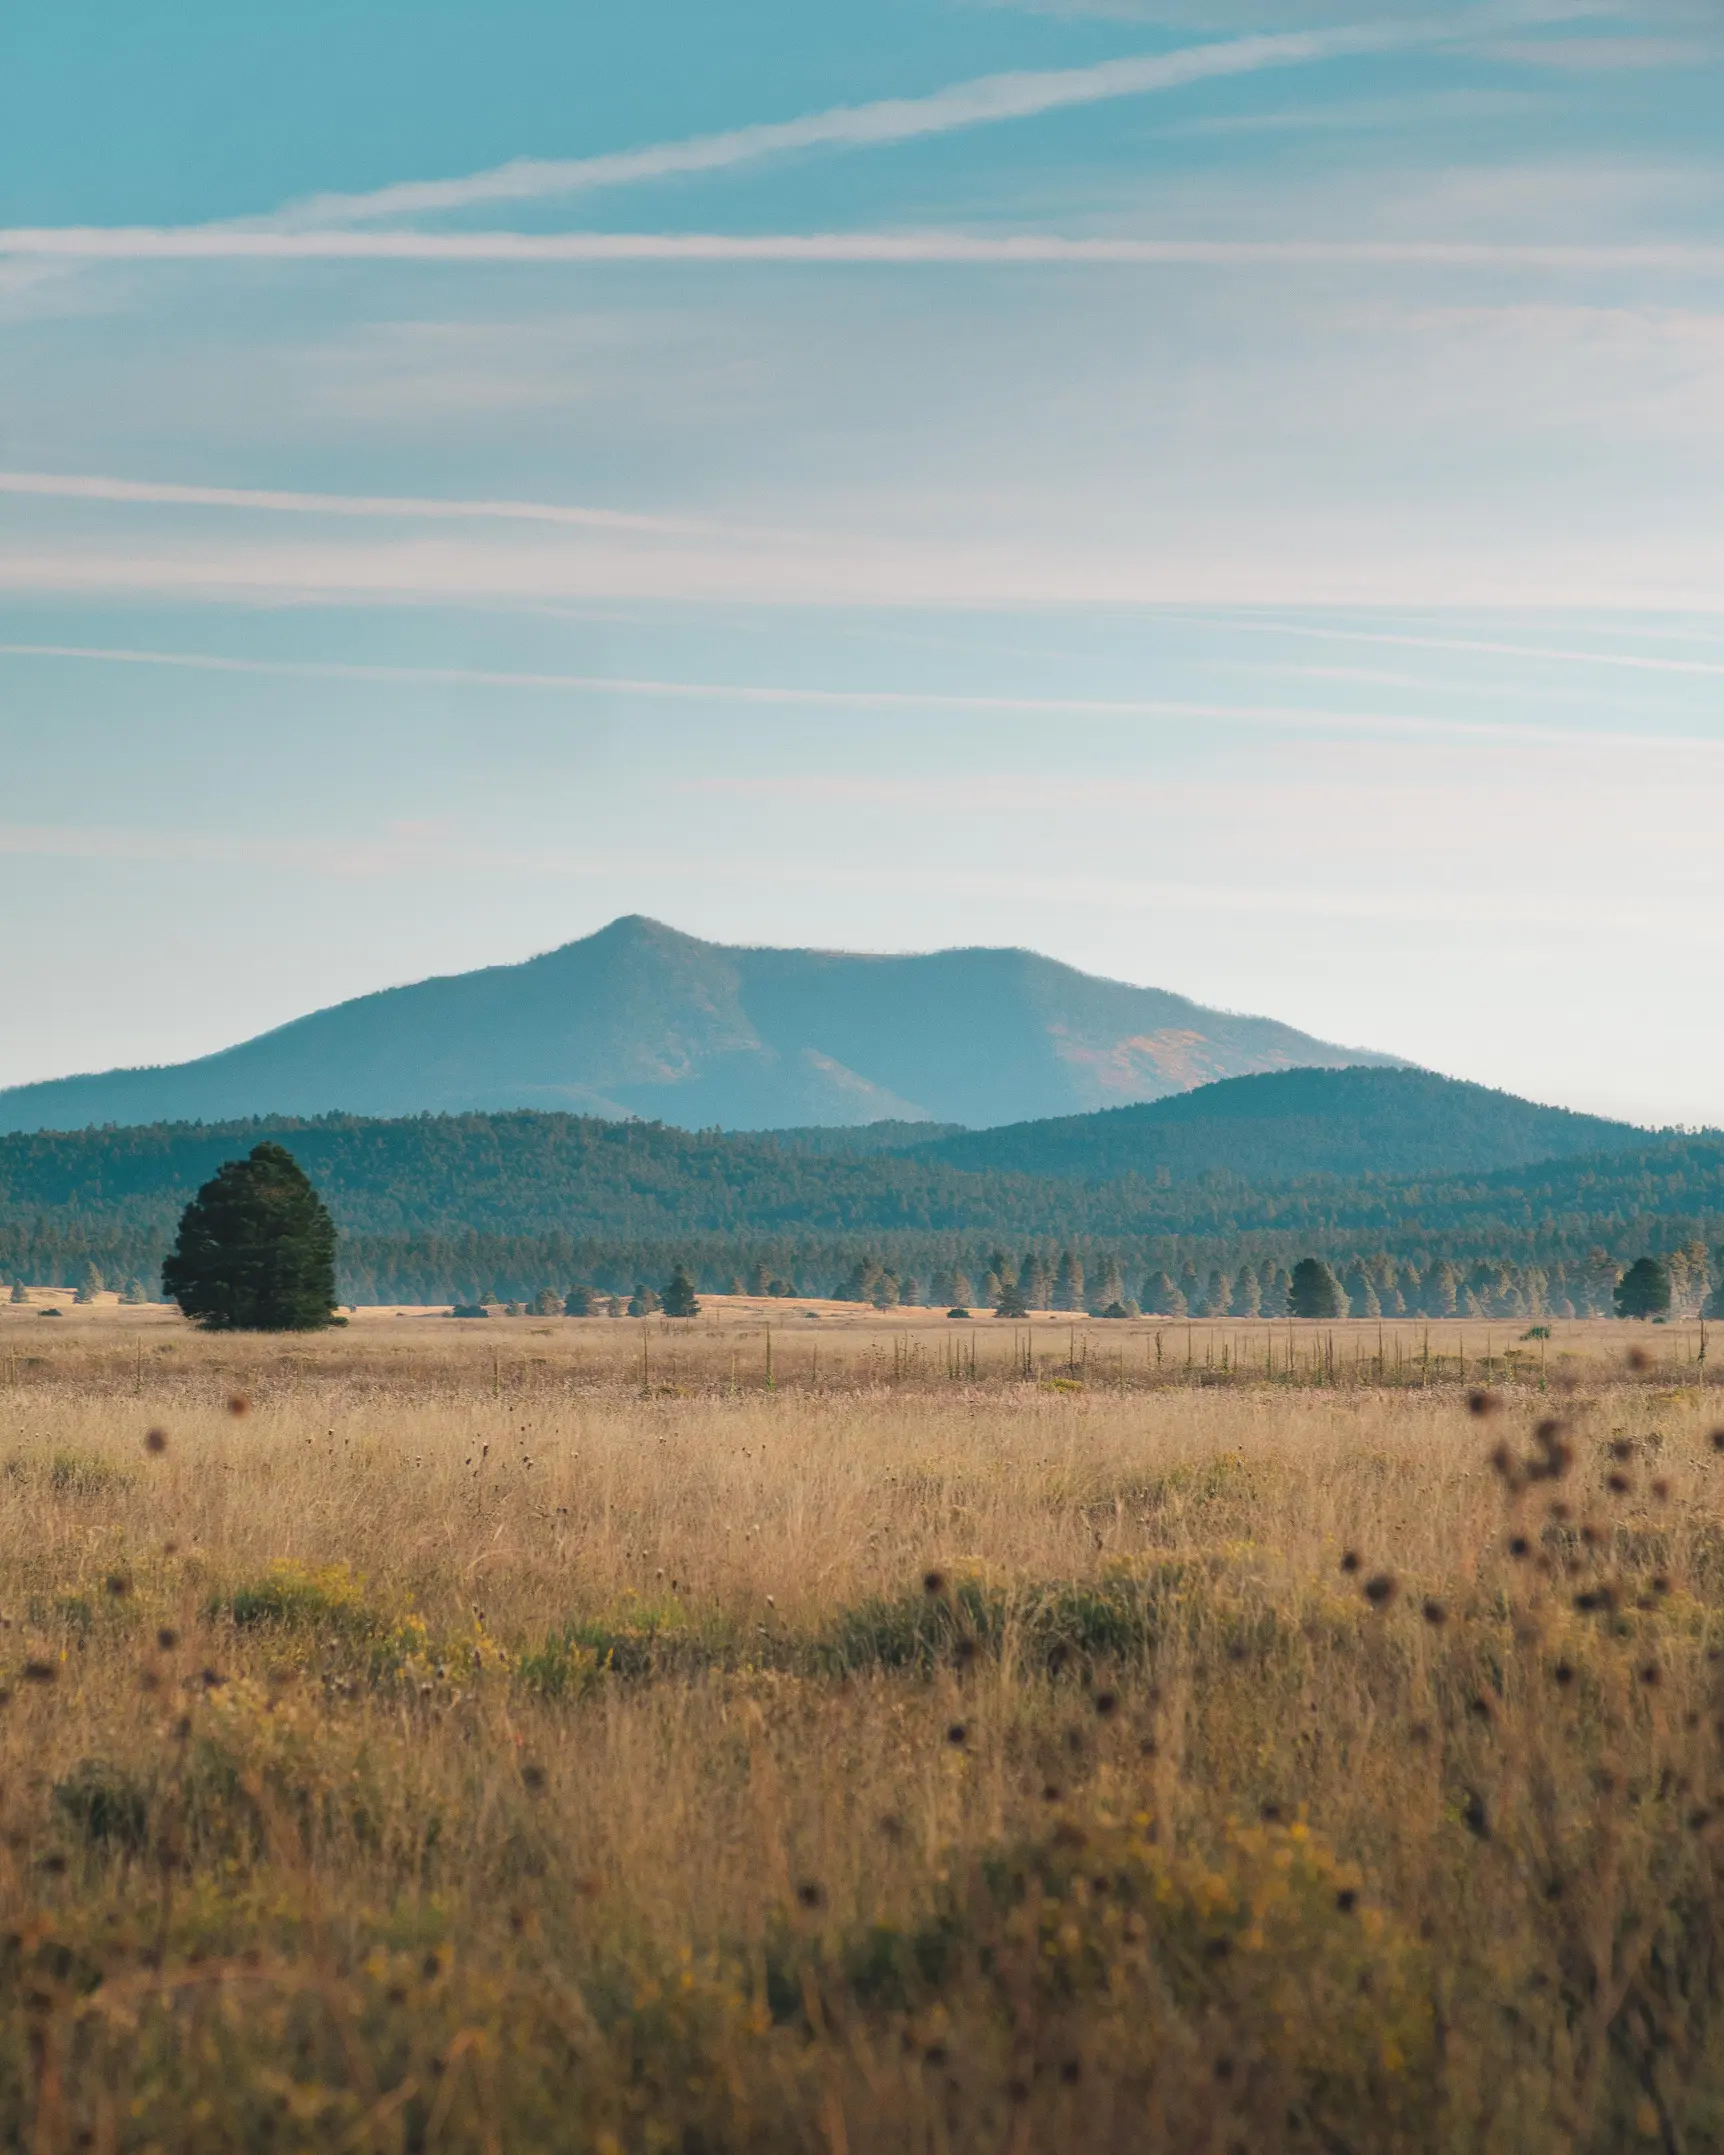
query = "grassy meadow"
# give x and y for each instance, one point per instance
(541, 1735)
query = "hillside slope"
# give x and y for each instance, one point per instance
(639, 1020)
(1288, 1125)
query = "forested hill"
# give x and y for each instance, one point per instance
(1276, 1127)
(431, 1206)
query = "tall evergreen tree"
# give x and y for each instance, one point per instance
(679, 1296)
(1068, 1282)
(256, 1250)
(1247, 1300)
(1643, 1290)
(1315, 1291)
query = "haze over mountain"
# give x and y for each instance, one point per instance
(1285, 1125)
(640, 1020)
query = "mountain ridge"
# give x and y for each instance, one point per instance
(641, 1021)
(1273, 1126)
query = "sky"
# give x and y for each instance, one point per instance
(1229, 494)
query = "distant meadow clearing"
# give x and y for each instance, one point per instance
(592, 1735)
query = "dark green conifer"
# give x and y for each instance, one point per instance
(1643, 1290)
(1315, 1291)
(256, 1250)
(679, 1296)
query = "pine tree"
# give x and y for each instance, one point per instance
(1247, 1299)
(1161, 1298)
(963, 1294)
(90, 1286)
(1068, 1282)
(679, 1295)
(1011, 1302)
(134, 1295)
(255, 1250)
(643, 1302)
(1033, 1283)
(20, 1293)
(1215, 1294)
(1643, 1290)
(580, 1302)
(1315, 1291)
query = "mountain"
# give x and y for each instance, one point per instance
(1291, 1124)
(639, 1020)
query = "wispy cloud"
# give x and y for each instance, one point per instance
(216, 243)
(985, 101)
(66, 486)
(1604, 55)
(1299, 718)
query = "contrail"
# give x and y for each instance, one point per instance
(215, 243)
(1278, 716)
(987, 100)
(59, 486)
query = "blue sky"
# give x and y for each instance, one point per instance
(1228, 495)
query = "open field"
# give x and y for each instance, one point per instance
(495, 1736)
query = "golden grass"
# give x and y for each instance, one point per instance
(479, 1742)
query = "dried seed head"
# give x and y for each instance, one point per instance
(533, 1779)
(40, 1672)
(1519, 1547)
(1639, 1360)
(1481, 1403)
(167, 1639)
(118, 1585)
(933, 1583)
(238, 1405)
(958, 1735)
(1435, 1614)
(1380, 1590)
(156, 1440)
(1346, 1900)
(1106, 1704)
(1618, 1483)
(1351, 1561)
(1621, 1448)
(810, 1894)
(1563, 1675)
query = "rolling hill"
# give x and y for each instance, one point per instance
(639, 1020)
(1284, 1126)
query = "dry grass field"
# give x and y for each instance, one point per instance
(544, 1735)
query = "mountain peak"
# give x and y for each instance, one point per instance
(642, 1019)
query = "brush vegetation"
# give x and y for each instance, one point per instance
(415, 1740)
